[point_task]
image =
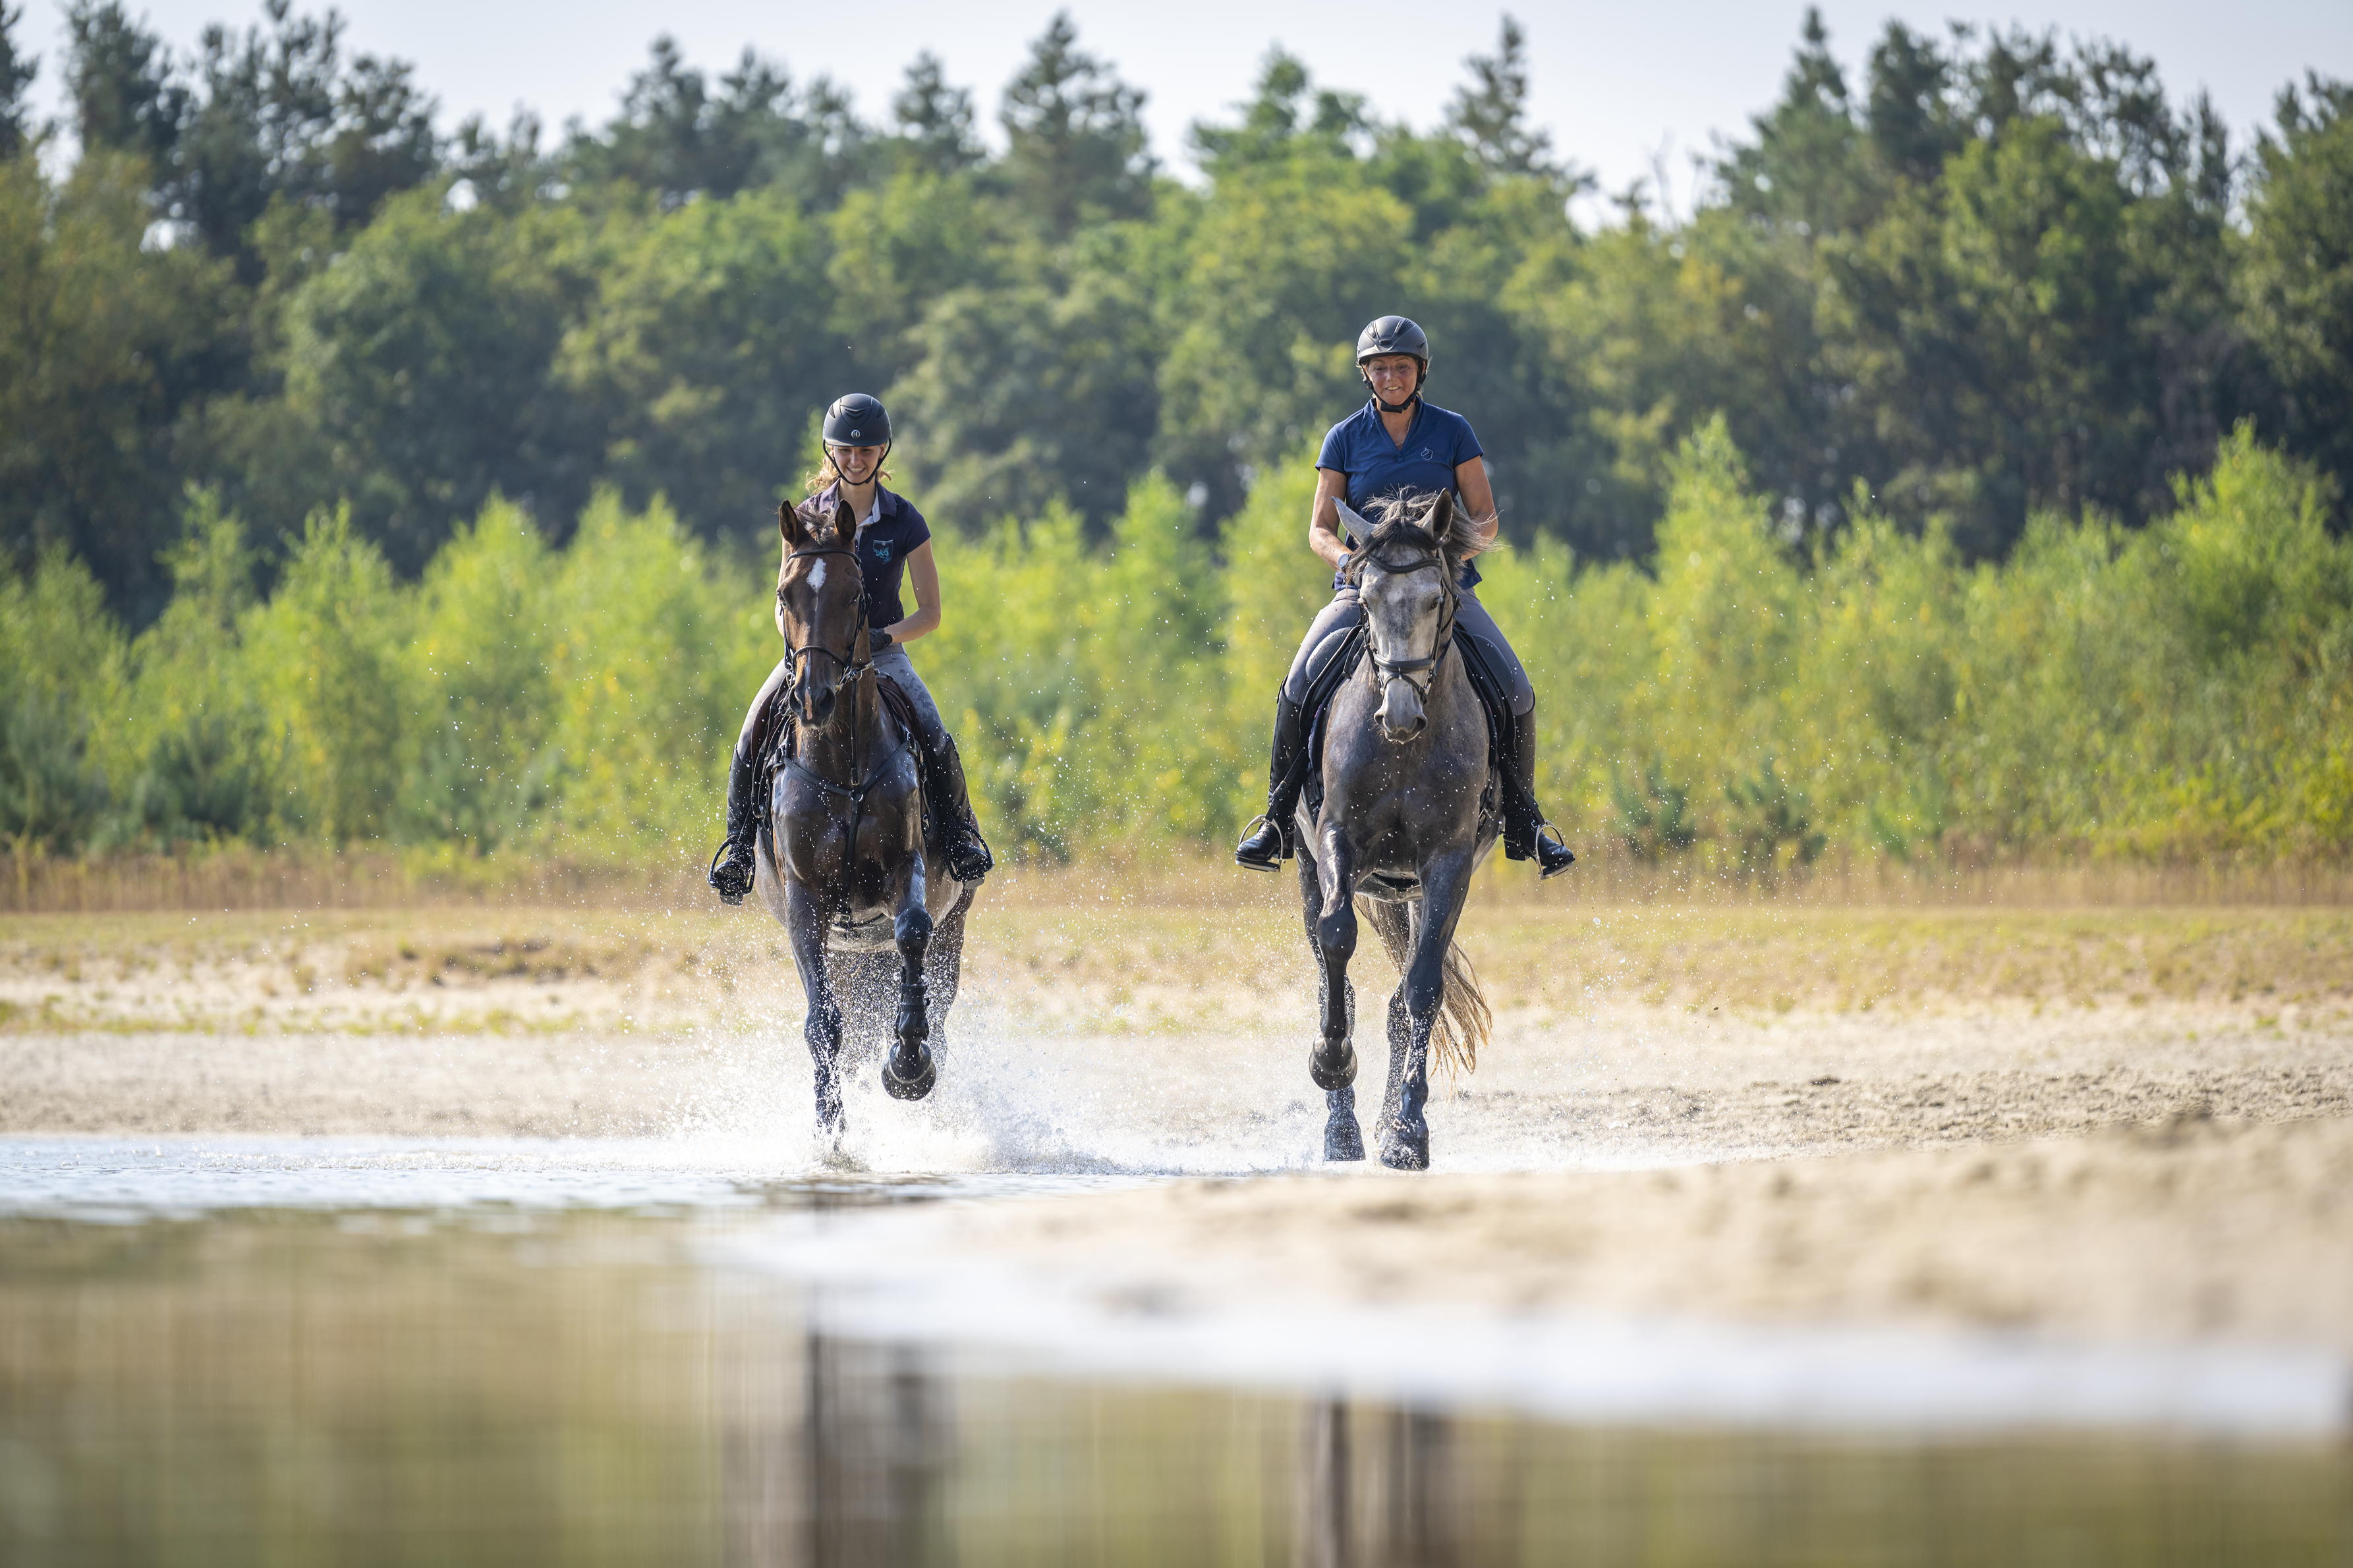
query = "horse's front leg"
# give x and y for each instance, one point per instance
(1328, 893)
(804, 922)
(1405, 1131)
(908, 1072)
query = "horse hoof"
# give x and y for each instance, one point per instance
(1406, 1148)
(1342, 1140)
(913, 1087)
(1329, 1078)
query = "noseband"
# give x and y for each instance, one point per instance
(1386, 670)
(848, 670)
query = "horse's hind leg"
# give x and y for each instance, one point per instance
(908, 1072)
(1333, 1063)
(805, 920)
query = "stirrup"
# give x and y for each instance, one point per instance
(1549, 866)
(968, 856)
(1251, 831)
(722, 881)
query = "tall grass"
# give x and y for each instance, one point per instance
(1755, 702)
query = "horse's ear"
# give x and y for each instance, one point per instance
(1440, 521)
(788, 524)
(1354, 521)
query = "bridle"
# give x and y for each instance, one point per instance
(1404, 670)
(848, 671)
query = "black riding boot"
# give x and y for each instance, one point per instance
(968, 855)
(1526, 834)
(1268, 844)
(733, 868)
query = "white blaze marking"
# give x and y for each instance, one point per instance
(817, 578)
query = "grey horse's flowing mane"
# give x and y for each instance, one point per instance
(1401, 527)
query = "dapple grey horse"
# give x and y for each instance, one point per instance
(844, 863)
(1405, 762)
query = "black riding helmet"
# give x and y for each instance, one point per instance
(1393, 335)
(858, 419)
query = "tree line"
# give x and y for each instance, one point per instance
(1960, 478)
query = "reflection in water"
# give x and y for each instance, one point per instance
(1404, 1511)
(312, 1388)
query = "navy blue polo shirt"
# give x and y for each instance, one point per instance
(883, 545)
(1435, 443)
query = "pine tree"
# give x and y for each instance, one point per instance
(935, 119)
(16, 73)
(1077, 133)
(120, 81)
(1491, 112)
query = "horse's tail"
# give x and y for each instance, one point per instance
(1465, 1024)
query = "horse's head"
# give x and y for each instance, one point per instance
(821, 599)
(1408, 557)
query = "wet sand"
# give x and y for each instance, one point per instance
(2181, 1231)
(2124, 1124)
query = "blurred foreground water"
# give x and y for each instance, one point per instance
(402, 1354)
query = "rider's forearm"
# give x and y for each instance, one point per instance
(922, 623)
(1327, 543)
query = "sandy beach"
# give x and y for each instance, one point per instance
(2134, 1125)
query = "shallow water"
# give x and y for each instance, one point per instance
(237, 1351)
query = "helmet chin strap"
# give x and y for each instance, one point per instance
(873, 476)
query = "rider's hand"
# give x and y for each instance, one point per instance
(877, 639)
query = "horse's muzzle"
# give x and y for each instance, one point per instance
(817, 705)
(1401, 716)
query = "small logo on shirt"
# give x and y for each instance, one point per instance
(883, 551)
(1425, 454)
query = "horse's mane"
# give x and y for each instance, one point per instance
(1401, 527)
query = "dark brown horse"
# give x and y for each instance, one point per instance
(1406, 761)
(844, 862)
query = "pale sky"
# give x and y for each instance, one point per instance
(1619, 85)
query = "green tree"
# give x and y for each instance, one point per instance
(2298, 282)
(1076, 135)
(423, 364)
(193, 741)
(328, 672)
(119, 77)
(476, 774)
(1490, 113)
(934, 120)
(1031, 396)
(104, 346)
(18, 70)
(678, 138)
(701, 354)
